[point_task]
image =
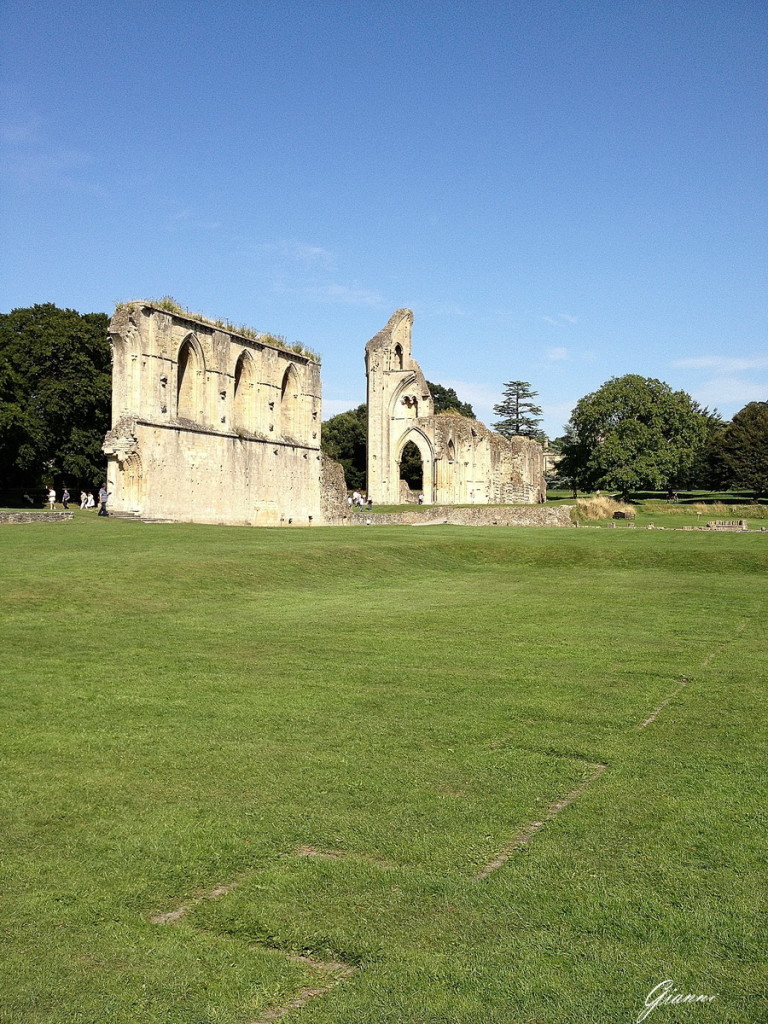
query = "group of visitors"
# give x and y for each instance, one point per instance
(359, 501)
(87, 499)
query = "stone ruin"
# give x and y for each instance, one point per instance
(213, 426)
(463, 462)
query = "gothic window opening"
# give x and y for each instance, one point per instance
(189, 385)
(243, 411)
(290, 404)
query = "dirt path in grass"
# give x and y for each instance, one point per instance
(329, 972)
(682, 682)
(530, 831)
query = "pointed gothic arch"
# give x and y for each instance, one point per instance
(244, 393)
(405, 401)
(290, 403)
(419, 440)
(132, 482)
(190, 379)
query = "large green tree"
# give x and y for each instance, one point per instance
(633, 433)
(743, 448)
(708, 470)
(55, 394)
(344, 439)
(446, 400)
(520, 414)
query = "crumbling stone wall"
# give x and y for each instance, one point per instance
(463, 461)
(210, 425)
(477, 515)
(7, 518)
(333, 491)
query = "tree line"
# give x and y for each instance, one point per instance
(633, 433)
(55, 398)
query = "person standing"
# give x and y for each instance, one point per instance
(89, 502)
(103, 498)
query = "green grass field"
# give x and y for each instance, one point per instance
(348, 726)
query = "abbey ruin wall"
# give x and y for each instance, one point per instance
(214, 426)
(209, 425)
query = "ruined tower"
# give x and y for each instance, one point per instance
(463, 462)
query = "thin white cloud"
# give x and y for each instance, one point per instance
(556, 415)
(293, 251)
(555, 355)
(561, 320)
(21, 132)
(345, 295)
(33, 160)
(477, 394)
(722, 364)
(730, 392)
(308, 254)
(187, 218)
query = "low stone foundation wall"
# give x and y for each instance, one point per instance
(35, 517)
(476, 515)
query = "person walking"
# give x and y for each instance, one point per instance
(65, 499)
(103, 498)
(83, 499)
(51, 499)
(89, 502)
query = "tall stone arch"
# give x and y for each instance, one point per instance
(398, 397)
(190, 381)
(417, 437)
(244, 415)
(463, 461)
(290, 403)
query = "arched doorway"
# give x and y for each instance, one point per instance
(412, 467)
(132, 483)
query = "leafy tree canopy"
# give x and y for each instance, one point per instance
(520, 414)
(446, 400)
(633, 433)
(55, 395)
(344, 439)
(743, 448)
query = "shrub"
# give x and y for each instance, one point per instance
(590, 509)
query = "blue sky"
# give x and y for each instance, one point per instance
(563, 192)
